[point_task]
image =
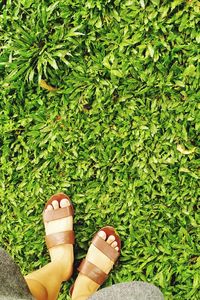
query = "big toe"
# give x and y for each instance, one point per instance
(64, 203)
(102, 234)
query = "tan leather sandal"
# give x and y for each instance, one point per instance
(64, 237)
(92, 271)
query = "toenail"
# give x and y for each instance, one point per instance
(117, 248)
(114, 244)
(102, 234)
(49, 207)
(64, 203)
(111, 237)
(55, 203)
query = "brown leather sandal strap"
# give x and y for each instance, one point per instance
(55, 214)
(93, 272)
(104, 247)
(59, 238)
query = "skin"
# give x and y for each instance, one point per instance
(45, 283)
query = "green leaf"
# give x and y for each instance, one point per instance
(117, 73)
(151, 50)
(142, 4)
(196, 280)
(190, 71)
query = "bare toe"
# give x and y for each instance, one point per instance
(102, 234)
(117, 248)
(55, 204)
(54, 225)
(114, 244)
(110, 239)
(64, 203)
(49, 207)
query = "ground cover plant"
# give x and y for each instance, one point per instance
(100, 100)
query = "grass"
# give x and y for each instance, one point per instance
(119, 134)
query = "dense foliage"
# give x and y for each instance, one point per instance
(119, 134)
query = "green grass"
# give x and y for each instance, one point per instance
(120, 135)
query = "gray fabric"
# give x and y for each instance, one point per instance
(14, 287)
(12, 283)
(136, 290)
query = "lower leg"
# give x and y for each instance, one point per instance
(45, 283)
(84, 288)
(37, 290)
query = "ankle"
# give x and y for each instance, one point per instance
(61, 251)
(63, 268)
(84, 287)
(37, 290)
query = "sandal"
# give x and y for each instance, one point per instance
(64, 237)
(92, 271)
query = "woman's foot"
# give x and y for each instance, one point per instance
(84, 287)
(62, 254)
